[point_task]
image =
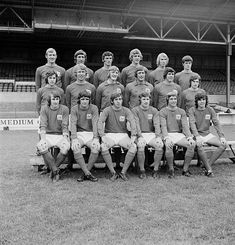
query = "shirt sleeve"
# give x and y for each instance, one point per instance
(185, 124)
(163, 123)
(67, 80)
(137, 122)
(98, 97)
(95, 118)
(156, 124)
(123, 77)
(101, 122)
(216, 123)
(155, 97)
(38, 78)
(68, 98)
(131, 120)
(38, 101)
(127, 94)
(183, 102)
(192, 122)
(179, 96)
(43, 120)
(63, 79)
(96, 79)
(73, 123)
(65, 120)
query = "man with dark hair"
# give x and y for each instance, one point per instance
(101, 75)
(162, 89)
(182, 78)
(41, 71)
(175, 131)
(107, 88)
(84, 119)
(128, 72)
(188, 95)
(44, 92)
(200, 118)
(148, 133)
(80, 57)
(156, 76)
(112, 128)
(135, 88)
(54, 119)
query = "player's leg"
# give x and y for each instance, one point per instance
(214, 141)
(107, 143)
(94, 146)
(132, 149)
(157, 144)
(188, 154)
(141, 144)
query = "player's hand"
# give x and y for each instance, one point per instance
(199, 141)
(75, 145)
(159, 142)
(191, 141)
(169, 143)
(223, 141)
(95, 143)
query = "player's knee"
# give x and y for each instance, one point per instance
(158, 145)
(95, 148)
(104, 147)
(133, 148)
(42, 146)
(141, 145)
(64, 147)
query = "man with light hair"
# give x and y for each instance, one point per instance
(156, 76)
(107, 88)
(54, 119)
(182, 78)
(73, 90)
(51, 65)
(128, 72)
(80, 57)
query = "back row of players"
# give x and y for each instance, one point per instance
(110, 91)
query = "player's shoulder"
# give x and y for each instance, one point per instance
(153, 109)
(192, 110)
(93, 107)
(64, 108)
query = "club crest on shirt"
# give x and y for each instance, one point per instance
(207, 116)
(59, 117)
(88, 91)
(122, 118)
(178, 116)
(150, 116)
(88, 116)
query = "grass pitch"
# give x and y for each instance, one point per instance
(197, 210)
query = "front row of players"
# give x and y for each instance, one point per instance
(147, 126)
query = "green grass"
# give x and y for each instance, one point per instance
(197, 210)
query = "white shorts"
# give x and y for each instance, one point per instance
(176, 137)
(117, 137)
(54, 140)
(148, 136)
(207, 137)
(85, 136)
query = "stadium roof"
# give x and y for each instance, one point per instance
(201, 21)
